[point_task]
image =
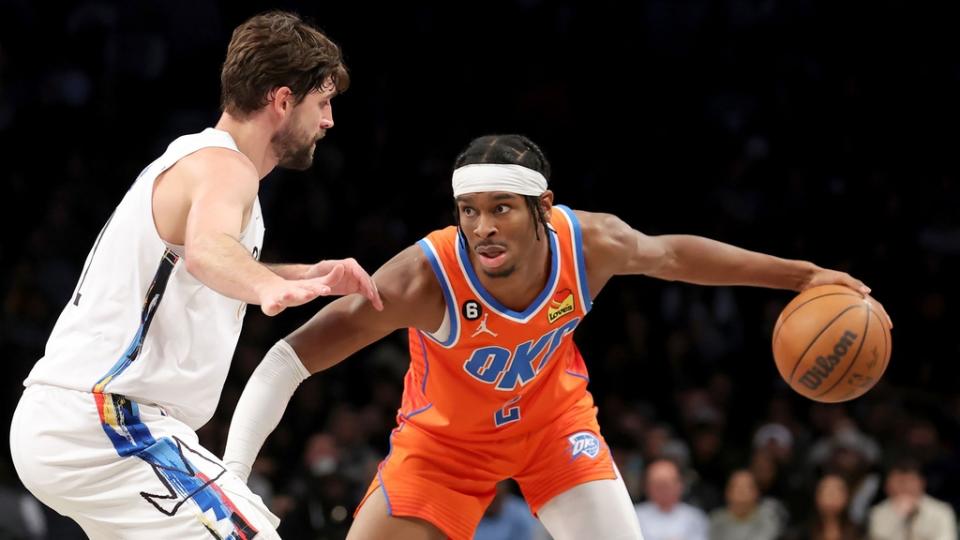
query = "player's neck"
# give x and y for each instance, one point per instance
(522, 287)
(253, 140)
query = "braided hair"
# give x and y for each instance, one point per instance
(508, 150)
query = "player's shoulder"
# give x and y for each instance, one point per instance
(407, 280)
(412, 271)
(594, 224)
(217, 169)
(222, 160)
(604, 237)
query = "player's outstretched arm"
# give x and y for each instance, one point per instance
(354, 279)
(219, 187)
(411, 298)
(612, 247)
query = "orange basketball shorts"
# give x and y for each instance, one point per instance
(450, 483)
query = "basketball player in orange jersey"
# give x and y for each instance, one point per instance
(496, 387)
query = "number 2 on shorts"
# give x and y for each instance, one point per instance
(508, 413)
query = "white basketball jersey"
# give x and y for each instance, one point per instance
(138, 324)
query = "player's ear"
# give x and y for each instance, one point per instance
(280, 100)
(546, 201)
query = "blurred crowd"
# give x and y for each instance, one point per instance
(798, 128)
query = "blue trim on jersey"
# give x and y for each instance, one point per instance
(383, 486)
(426, 362)
(492, 302)
(452, 314)
(133, 350)
(418, 411)
(578, 250)
(423, 386)
(151, 303)
(580, 375)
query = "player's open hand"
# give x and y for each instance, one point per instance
(824, 276)
(284, 293)
(355, 280)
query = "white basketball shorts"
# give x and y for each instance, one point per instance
(126, 470)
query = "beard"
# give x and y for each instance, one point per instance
(294, 149)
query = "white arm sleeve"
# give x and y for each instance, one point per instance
(261, 406)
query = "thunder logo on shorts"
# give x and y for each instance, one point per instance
(186, 474)
(584, 443)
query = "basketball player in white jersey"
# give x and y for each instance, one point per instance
(105, 430)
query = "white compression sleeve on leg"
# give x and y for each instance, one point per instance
(597, 509)
(261, 406)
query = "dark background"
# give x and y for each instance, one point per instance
(809, 129)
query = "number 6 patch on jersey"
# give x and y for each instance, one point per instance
(471, 310)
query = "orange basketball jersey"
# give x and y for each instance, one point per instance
(491, 372)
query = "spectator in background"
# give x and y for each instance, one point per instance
(908, 513)
(746, 516)
(321, 496)
(664, 516)
(773, 464)
(711, 461)
(508, 517)
(767, 473)
(356, 459)
(853, 455)
(922, 441)
(830, 519)
(660, 442)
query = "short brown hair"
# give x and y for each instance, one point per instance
(276, 49)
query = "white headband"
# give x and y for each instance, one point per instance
(482, 177)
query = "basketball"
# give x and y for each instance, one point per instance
(831, 344)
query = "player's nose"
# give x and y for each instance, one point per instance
(485, 228)
(326, 118)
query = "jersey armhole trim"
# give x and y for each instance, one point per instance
(581, 264)
(448, 297)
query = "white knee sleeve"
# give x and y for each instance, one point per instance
(597, 509)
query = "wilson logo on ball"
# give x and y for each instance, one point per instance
(814, 376)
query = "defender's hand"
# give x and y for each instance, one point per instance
(285, 293)
(355, 280)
